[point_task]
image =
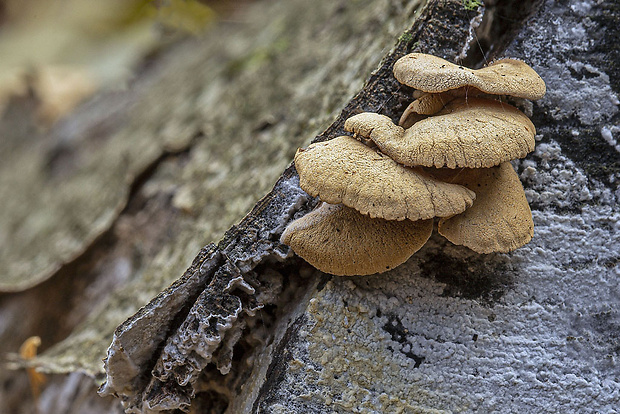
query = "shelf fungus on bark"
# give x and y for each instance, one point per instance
(503, 77)
(451, 149)
(467, 133)
(343, 170)
(500, 220)
(341, 241)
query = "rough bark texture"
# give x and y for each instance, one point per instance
(251, 328)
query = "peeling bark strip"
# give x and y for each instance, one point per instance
(193, 346)
(199, 327)
(158, 356)
(134, 341)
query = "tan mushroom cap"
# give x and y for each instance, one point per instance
(339, 240)
(503, 77)
(343, 170)
(467, 133)
(500, 219)
(426, 104)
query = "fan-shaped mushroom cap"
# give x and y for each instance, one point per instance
(339, 240)
(500, 219)
(467, 133)
(343, 170)
(503, 77)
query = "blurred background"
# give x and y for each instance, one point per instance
(61, 52)
(56, 55)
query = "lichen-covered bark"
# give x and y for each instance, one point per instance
(62, 190)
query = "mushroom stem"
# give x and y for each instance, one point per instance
(426, 104)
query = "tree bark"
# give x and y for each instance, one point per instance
(249, 327)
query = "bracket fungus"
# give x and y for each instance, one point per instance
(500, 220)
(343, 170)
(339, 240)
(503, 77)
(467, 133)
(448, 158)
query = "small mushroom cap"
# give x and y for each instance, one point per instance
(339, 240)
(504, 77)
(467, 133)
(500, 219)
(426, 104)
(343, 170)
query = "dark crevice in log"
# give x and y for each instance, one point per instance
(501, 21)
(277, 369)
(438, 30)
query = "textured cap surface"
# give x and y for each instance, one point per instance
(504, 77)
(339, 240)
(500, 219)
(343, 170)
(467, 133)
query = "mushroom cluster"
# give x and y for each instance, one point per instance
(449, 157)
